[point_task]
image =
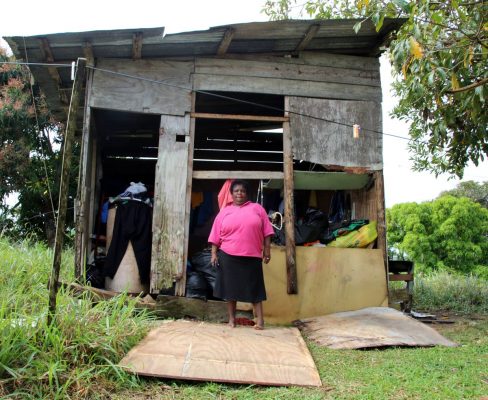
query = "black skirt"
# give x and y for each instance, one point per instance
(240, 279)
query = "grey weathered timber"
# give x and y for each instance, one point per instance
(288, 182)
(82, 204)
(371, 64)
(64, 184)
(184, 307)
(283, 68)
(128, 93)
(287, 87)
(381, 221)
(329, 143)
(237, 175)
(170, 187)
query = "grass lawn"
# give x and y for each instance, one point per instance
(76, 358)
(393, 373)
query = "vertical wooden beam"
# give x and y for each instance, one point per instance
(64, 185)
(181, 284)
(381, 218)
(88, 52)
(137, 46)
(291, 268)
(82, 204)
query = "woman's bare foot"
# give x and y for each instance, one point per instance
(231, 324)
(259, 327)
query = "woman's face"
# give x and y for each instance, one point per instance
(239, 195)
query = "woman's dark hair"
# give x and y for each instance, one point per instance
(240, 182)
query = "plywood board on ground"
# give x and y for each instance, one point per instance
(215, 352)
(371, 327)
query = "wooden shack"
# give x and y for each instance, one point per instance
(271, 102)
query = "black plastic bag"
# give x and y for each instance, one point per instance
(309, 230)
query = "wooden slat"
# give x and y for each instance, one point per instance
(183, 307)
(400, 277)
(288, 69)
(237, 175)
(237, 155)
(312, 31)
(215, 352)
(239, 144)
(305, 88)
(231, 166)
(137, 45)
(226, 40)
(239, 117)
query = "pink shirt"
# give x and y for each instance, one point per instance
(240, 230)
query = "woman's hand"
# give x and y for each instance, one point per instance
(266, 258)
(267, 250)
(214, 260)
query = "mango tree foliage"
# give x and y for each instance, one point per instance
(439, 58)
(30, 154)
(448, 233)
(478, 192)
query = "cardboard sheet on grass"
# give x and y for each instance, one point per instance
(370, 327)
(215, 352)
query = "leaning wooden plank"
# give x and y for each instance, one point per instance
(214, 352)
(371, 327)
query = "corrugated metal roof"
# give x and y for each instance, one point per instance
(276, 37)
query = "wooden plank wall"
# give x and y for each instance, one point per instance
(324, 76)
(170, 194)
(125, 93)
(330, 143)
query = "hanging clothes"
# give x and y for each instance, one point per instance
(133, 221)
(224, 197)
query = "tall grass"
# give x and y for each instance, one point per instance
(445, 291)
(76, 356)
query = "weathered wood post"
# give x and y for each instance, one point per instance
(64, 184)
(289, 185)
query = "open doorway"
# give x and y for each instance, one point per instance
(125, 153)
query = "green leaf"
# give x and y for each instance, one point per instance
(357, 27)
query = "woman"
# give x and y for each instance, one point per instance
(242, 234)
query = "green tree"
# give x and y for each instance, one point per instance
(30, 151)
(448, 233)
(478, 192)
(439, 59)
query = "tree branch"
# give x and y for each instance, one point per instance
(468, 87)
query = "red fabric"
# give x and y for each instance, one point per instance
(224, 197)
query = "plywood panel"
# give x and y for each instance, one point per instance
(329, 143)
(167, 256)
(215, 352)
(371, 327)
(126, 92)
(329, 280)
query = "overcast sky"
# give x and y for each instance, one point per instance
(55, 16)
